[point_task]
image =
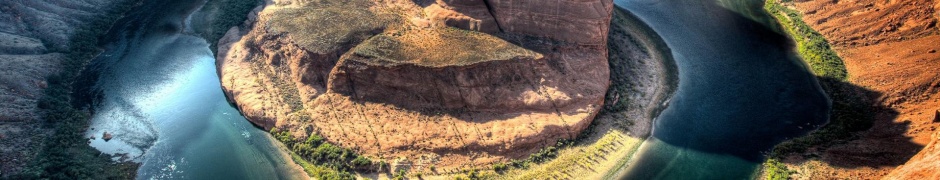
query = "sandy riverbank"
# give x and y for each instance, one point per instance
(644, 77)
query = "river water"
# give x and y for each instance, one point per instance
(157, 92)
(742, 90)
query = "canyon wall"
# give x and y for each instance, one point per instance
(446, 83)
(890, 48)
(35, 36)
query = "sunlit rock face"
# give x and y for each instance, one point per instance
(442, 82)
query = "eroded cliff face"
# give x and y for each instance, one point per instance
(925, 165)
(35, 35)
(448, 83)
(889, 47)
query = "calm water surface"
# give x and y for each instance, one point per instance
(159, 95)
(742, 90)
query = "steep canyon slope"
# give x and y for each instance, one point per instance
(446, 83)
(890, 48)
(35, 39)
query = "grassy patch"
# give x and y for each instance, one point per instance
(575, 158)
(850, 112)
(329, 161)
(775, 170)
(585, 157)
(811, 45)
(66, 154)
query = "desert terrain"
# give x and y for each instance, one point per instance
(889, 49)
(469, 99)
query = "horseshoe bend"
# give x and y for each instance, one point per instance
(447, 82)
(469, 89)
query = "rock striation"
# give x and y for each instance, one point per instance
(449, 83)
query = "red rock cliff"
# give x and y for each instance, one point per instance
(394, 79)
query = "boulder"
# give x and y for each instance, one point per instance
(106, 136)
(936, 116)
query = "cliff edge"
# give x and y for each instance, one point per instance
(446, 83)
(889, 48)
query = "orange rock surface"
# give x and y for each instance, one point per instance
(890, 48)
(393, 79)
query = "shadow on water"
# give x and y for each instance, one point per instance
(839, 142)
(743, 90)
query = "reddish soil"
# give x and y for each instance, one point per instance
(889, 47)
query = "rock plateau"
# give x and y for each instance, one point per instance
(447, 83)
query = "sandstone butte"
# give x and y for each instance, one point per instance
(451, 83)
(890, 48)
(34, 40)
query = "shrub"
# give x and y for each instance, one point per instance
(231, 14)
(500, 167)
(849, 111)
(400, 175)
(361, 162)
(330, 161)
(65, 153)
(775, 170)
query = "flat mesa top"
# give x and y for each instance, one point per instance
(439, 47)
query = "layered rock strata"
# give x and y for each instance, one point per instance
(449, 83)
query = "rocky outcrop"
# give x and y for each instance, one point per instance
(886, 48)
(464, 14)
(35, 35)
(578, 21)
(395, 79)
(925, 165)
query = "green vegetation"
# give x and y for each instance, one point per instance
(473, 175)
(328, 26)
(811, 45)
(775, 170)
(613, 146)
(331, 161)
(500, 167)
(65, 153)
(228, 14)
(850, 112)
(564, 164)
(543, 155)
(400, 175)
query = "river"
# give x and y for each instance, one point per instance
(157, 92)
(742, 90)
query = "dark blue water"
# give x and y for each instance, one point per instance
(158, 93)
(742, 90)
